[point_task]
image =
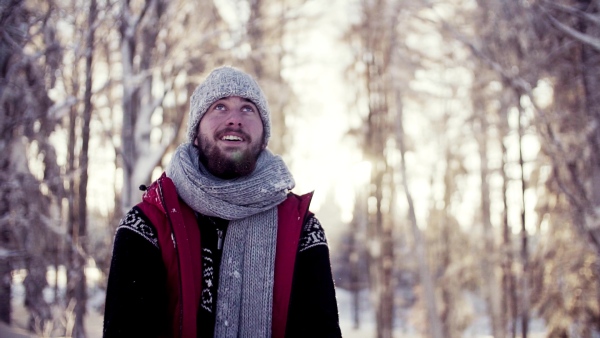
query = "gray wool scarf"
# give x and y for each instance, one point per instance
(245, 293)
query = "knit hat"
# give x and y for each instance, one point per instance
(224, 82)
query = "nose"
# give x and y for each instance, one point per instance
(234, 118)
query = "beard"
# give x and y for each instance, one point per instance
(227, 166)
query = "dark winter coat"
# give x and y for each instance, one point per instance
(156, 276)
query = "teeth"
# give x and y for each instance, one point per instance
(232, 138)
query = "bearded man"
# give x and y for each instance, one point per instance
(219, 246)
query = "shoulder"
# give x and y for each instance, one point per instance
(312, 234)
(135, 221)
(296, 203)
(301, 199)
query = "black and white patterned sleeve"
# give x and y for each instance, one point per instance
(312, 235)
(313, 292)
(134, 221)
(136, 299)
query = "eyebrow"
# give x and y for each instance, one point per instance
(243, 98)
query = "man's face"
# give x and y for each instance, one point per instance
(230, 137)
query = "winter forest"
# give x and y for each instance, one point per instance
(453, 146)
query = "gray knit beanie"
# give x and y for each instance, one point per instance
(224, 82)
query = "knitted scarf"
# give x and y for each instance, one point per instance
(245, 293)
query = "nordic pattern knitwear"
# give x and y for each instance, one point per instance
(224, 82)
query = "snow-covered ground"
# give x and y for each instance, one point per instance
(366, 328)
(479, 326)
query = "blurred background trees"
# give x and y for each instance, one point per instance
(479, 122)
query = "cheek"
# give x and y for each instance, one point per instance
(206, 127)
(256, 127)
(257, 134)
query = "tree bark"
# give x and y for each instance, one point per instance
(435, 326)
(11, 11)
(138, 41)
(5, 290)
(488, 264)
(524, 237)
(590, 73)
(80, 235)
(509, 287)
(265, 34)
(359, 222)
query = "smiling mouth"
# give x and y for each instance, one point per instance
(231, 138)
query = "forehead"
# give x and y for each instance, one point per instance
(234, 99)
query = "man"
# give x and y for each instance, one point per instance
(219, 246)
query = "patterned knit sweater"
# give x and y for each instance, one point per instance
(136, 295)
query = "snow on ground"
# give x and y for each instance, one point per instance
(20, 316)
(479, 328)
(366, 328)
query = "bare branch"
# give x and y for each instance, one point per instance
(575, 34)
(50, 225)
(524, 87)
(58, 110)
(142, 14)
(571, 10)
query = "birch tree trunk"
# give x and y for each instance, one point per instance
(435, 325)
(23, 101)
(524, 282)
(590, 73)
(138, 40)
(159, 58)
(509, 284)
(266, 31)
(380, 234)
(357, 227)
(8, 19)
(488, 263)
(80, 232)
(450, 288)
(380, 228)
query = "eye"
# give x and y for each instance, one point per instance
(248, 109)
(219, 106)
